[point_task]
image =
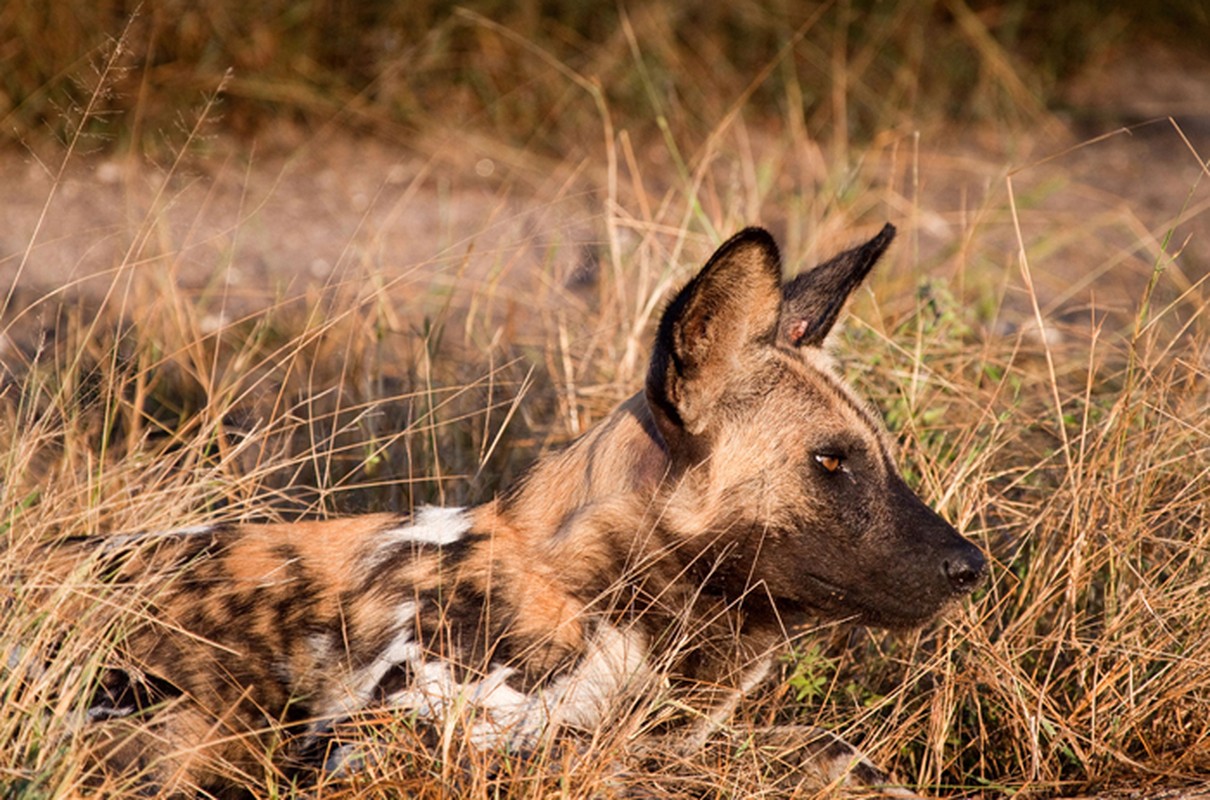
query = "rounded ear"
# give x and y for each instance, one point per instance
(811, 303)
(729, 307)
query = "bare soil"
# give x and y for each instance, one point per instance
(1101, 190)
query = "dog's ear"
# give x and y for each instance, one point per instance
(729, 307)
(812, 302)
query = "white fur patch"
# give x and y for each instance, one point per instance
(359, 688)
(431, 525)
(616, 663)
(112, 543)
(496, 713)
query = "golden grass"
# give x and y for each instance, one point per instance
(1074, 447)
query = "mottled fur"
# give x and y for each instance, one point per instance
(746, 489)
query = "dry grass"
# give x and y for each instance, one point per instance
(1074, 446)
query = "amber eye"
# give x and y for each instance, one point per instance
(828, 461)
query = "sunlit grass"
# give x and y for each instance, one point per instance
(1074, 446)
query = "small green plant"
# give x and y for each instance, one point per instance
(811, 672)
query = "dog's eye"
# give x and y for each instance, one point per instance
(829, 461)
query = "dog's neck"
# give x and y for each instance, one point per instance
(592, 509)
(621, 462)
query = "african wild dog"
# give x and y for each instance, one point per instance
(675, 544)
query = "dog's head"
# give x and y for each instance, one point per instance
(782, 481)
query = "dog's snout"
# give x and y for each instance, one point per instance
(964, 568)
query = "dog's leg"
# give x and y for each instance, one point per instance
(175, 751)
(724, 705)
(154, 756)
(806, 756)
(780, 761)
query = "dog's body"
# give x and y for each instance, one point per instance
(676, 543)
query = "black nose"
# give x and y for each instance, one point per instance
(964, 568)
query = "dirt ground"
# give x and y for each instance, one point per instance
(1098, 187)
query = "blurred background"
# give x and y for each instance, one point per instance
(317, 117)
(396, 69)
